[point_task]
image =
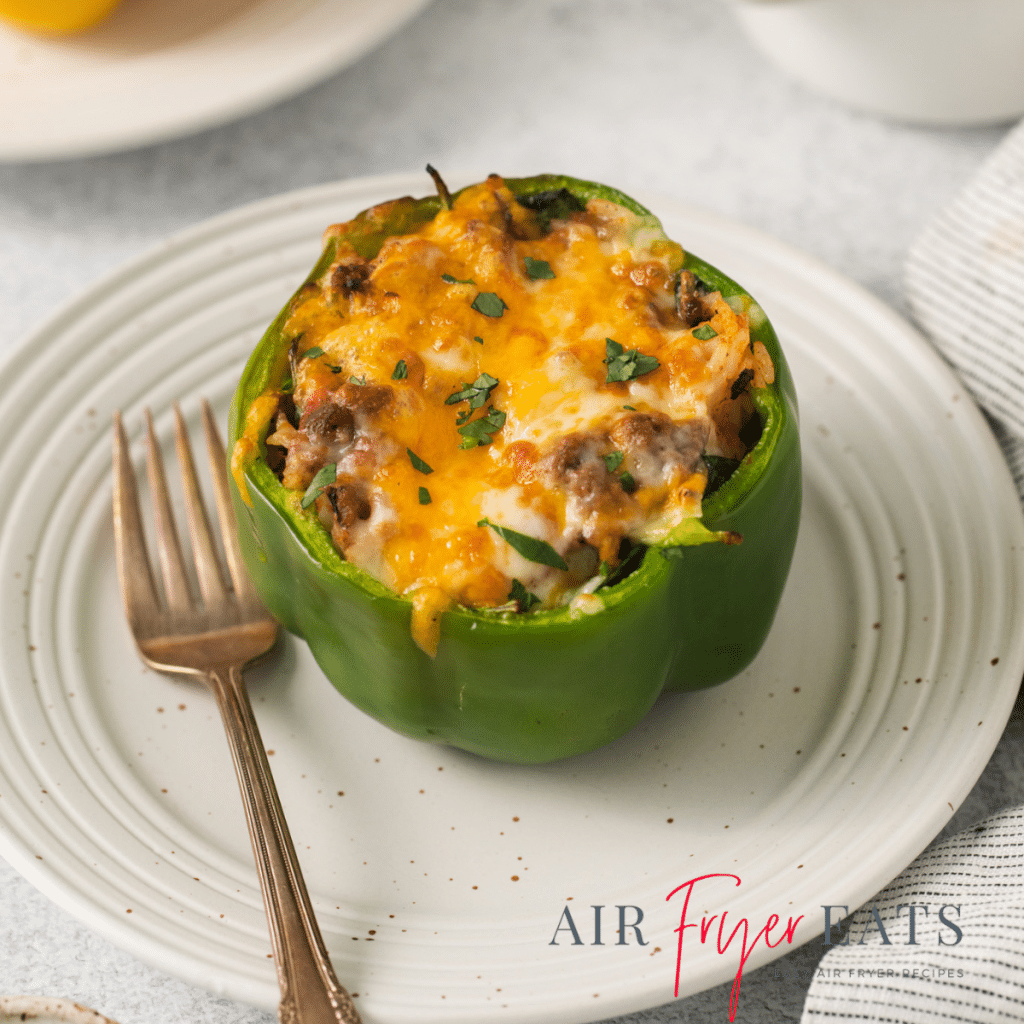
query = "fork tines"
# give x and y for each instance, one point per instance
(141, 596)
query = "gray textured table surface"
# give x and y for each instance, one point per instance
(647, 94)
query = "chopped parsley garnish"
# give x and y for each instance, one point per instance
(538, 270)
(418, 463)
(739, 385)
(489, 304)
(613, 460)
(287, 386)
(705, 332)
(478, 340)
(476, 393)
(424, 496)
(631, 408)
(401, 371)
(531, 548)
(361, 381)
(327, 475)
(623, 366)
(522, 596)
(312, 353)
(336, 369)
(480, 431)
(454, 280)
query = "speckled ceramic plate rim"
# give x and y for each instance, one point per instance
(45, 1009)
(879, 339)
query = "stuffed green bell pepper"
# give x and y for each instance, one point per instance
(512, 463)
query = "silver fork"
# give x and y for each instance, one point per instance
(214, 639)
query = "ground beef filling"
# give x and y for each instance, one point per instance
(599, 500)
(578, 465)
(528, 366)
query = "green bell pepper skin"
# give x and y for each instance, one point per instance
(543, 685)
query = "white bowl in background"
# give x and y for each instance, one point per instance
(940, 62)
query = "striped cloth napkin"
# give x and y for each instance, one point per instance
(965, 282)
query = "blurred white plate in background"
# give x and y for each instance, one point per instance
(159, 69)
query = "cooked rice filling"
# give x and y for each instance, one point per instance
(562, 380)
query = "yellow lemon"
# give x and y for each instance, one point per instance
(56, 17)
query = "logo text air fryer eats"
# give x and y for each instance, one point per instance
(721, 933)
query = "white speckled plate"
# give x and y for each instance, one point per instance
(440, 879)
(44, 1010)
(157, 69)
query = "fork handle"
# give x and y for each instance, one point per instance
(310, 992)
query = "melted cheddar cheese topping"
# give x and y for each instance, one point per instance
(558, 380)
